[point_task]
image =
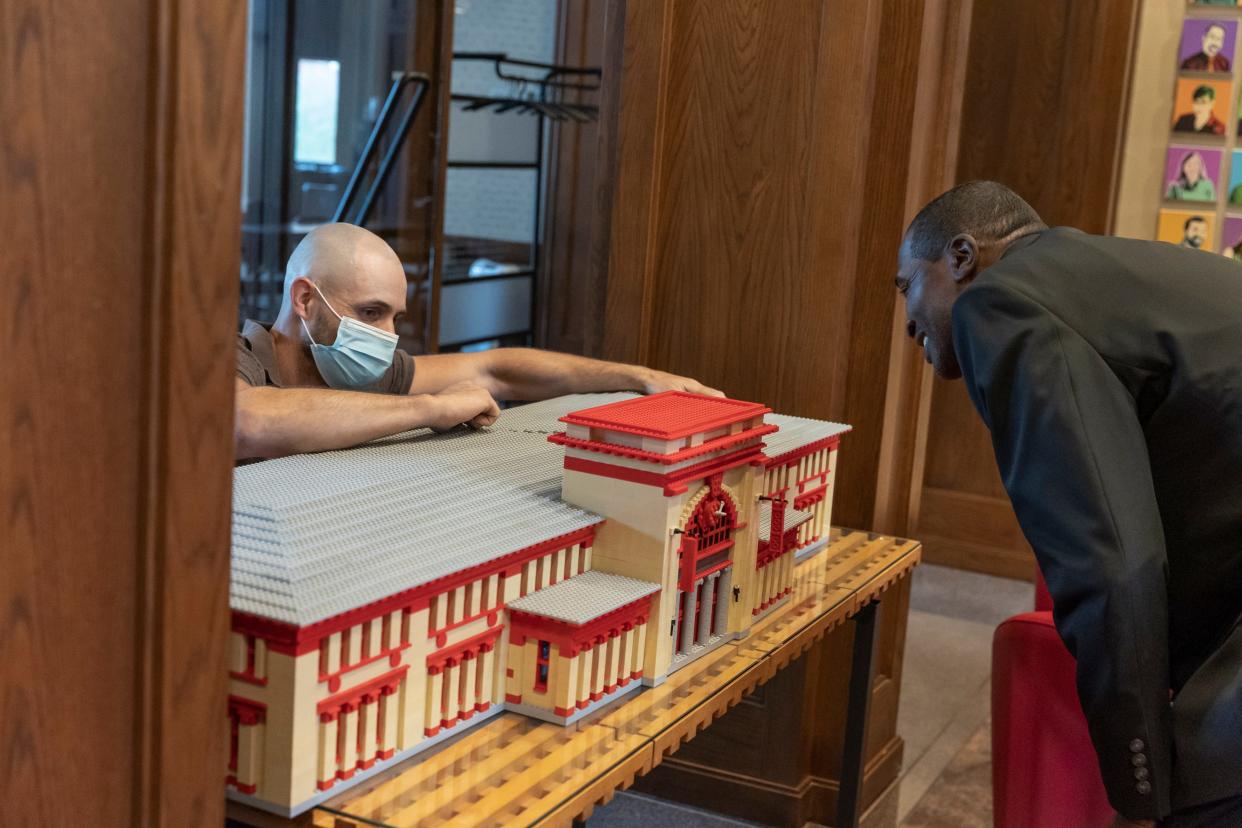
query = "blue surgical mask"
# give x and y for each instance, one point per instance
(359, 356)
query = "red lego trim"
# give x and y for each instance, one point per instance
(438, 632)
(717, 444)
(385, 754)
(788, 457)
(636, 674)
(810, 498)
(431, 731)
(248, 678)
(673, 483)
(247, 711)
(564, 711)
(573, 638)
(354, 695)
(244, 788)
(698, 576)
(334, 679)
(482, 707)
(365, 764)
(465, 648)
(513, 698)
(822, 477)
(292, 640)
(650, 416)
(323, 785)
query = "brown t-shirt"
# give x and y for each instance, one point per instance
(256, 362)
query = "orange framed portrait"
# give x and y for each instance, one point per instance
(1201, 106)
(1188, 228)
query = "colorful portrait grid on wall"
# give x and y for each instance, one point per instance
(1201, 189)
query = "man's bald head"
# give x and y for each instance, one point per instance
(335, 253)
(357, 273)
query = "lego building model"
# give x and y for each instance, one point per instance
(390, 596)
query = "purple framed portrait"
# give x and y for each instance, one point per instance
(1231, 238)
(1191, 173)
(1207, 45)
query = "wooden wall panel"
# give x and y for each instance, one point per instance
(1043, 111)
(120, 152)
(933, 163)
(570, 284)
(741, 250)
(760, 161)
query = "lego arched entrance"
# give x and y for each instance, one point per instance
(705, 562)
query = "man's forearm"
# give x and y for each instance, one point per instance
(529, 374)
(274, 422)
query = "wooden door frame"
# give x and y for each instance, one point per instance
(126, 125)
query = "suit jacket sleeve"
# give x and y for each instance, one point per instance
(1073, 458)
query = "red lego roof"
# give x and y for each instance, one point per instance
(670, 415)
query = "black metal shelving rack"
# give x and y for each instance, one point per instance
(549, 82)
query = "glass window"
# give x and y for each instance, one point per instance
(314, 132)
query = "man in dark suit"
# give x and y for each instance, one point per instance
(1110, 374)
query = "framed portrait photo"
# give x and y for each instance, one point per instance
(1201, 105)
(1192, 173)
(1187, 228)
(1207, 45)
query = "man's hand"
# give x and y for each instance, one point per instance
(656, 381)
(1122, 822)
(463, 402)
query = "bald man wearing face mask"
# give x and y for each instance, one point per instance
(327, 373)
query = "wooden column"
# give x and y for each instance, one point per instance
(120, 163)
(760, 161)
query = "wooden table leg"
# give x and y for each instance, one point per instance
(853, 761)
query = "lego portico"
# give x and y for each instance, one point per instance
(390, 596)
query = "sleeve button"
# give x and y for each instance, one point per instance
(1137, 746)
(1143, 787)
(1138, 760)
(1140, 773)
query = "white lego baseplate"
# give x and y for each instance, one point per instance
(796, 432)
(545, 417)
(319, 534)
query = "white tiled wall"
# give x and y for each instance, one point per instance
(495, 204)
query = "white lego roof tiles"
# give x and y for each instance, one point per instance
(796, 432)
(793, 518)
(584, 597)
(320, 534)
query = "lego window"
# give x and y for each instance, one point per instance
(541, 666)
(713, 521)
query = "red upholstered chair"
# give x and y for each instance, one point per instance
(1044, 770)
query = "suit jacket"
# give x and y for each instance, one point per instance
(1110, 374)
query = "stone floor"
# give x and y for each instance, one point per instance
(944, 719)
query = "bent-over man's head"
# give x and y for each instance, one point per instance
(957, 236)
(343, 270)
